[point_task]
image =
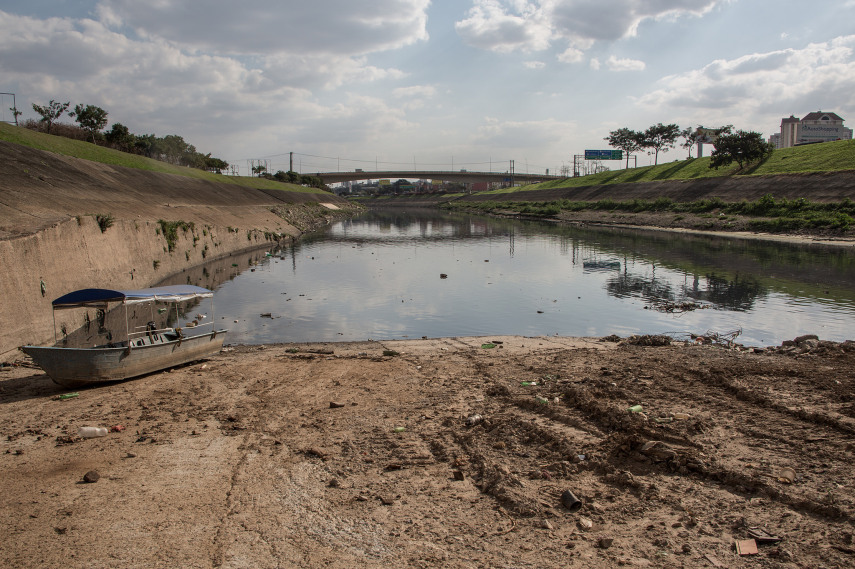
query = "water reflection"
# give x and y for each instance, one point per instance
(378, 276)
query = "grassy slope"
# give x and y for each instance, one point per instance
(827, 157)
(89, 151)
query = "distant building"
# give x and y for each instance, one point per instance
(814, 127)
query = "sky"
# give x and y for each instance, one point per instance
(429, 84)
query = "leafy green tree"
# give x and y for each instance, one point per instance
(627, 140)
(51, 112)
(144, 144)
(659, 138)
(742, 147)
(215, 164)
(120, 138)
(91, 118)
(259, 170)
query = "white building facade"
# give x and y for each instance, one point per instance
(814, 127)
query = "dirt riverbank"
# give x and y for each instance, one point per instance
(439, 453)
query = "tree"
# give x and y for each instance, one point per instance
(259, 170)
(742, 147)
(625, 139)
(51, 112)
(90, 118)
(120, 138)
(15, 113)
(216, 164)
(659, 138)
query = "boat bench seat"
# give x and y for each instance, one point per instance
(154, 338)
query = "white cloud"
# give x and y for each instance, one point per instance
(766, 84)
(532, 25)
(269, 27)
(595, 64)
(618, 64)
(534, 64)
(502, 135)
(415, 91)
(492, 25)
(571, 55)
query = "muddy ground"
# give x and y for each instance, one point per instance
(439, 453)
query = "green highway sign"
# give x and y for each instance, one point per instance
(604, 155)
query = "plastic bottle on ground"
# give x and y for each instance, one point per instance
(92, 432)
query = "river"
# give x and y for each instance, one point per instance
(397, 275)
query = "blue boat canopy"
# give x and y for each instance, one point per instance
(99, 297)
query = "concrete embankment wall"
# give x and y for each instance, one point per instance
(818, 187)
(77, 254)
(49, 231)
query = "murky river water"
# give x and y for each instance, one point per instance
(393, 275)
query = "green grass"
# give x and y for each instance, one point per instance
(89, 151)
(826, 157)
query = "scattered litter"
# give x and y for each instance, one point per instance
(635, 409)
(681, 416)
(91, 432)
(488, 346)
(65, 396)
(787, 475)
(528, 383)
(570, 501)
(336, 405)
(761, 536)
(117, 428)
(663, 419)
(399, 429)
(474, 420)
(542, 400)
(746, 547)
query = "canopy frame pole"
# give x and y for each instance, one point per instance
(55, 339)
(127, 326)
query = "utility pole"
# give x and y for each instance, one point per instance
(512, 173)
(290, 161)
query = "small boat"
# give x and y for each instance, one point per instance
(145, 349)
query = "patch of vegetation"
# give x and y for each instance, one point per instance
(155, 264)
(169, 229)
(782, 215)
(105, 221)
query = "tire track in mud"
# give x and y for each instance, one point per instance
(595, 400)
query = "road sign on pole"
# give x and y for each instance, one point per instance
(604, 155)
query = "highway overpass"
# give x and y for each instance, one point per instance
(443, 175)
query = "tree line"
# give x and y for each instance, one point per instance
(93, 119)
(742, 147)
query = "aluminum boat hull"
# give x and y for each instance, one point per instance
(75, 367)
